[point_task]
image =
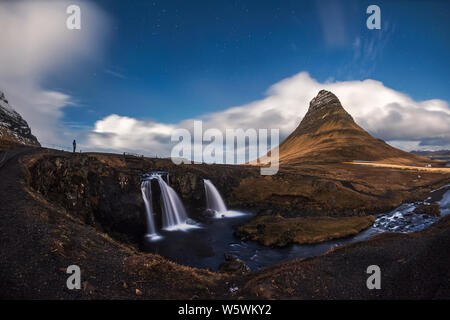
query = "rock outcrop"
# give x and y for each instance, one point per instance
(428, 209)
(14, 130)
(233, 265)
(104, 191)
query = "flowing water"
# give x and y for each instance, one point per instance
(205, 247)
(215, 202)
(146, 189)
(213, 199)
(174, 215)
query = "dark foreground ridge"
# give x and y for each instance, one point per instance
(412, 266)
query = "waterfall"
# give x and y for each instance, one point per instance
(215, 202)
(213, 199)
(174, 214)
(146, 188)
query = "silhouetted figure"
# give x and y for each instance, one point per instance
(74, 145)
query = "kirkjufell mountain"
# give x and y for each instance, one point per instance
(328, 134)
(14, 130)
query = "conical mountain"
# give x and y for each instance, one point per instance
(328, 133)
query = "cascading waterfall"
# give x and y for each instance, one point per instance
(146, 189)
(215, 202)
(174, 215)
(213, 199)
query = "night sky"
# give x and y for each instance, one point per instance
(171, 60)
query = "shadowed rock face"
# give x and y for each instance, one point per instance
(324, 99)
(328, 133)
(105, 191)
(107, 198)
(14, 130)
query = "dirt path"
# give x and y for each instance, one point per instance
(397, 166)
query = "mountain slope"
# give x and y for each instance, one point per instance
(328, 133)
(14, 130)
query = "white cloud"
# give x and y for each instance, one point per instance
(36, 43)
(384, 112)
(125, 134)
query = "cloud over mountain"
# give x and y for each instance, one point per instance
(383, 112)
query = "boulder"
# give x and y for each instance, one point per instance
(233, 265)
(428, 209)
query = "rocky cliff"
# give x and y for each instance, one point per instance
(104, 191)
(14, 130)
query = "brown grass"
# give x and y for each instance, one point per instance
(279, 231)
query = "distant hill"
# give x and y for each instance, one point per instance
(14, 130)
(438, 153)
(328, 133)
(443, 155)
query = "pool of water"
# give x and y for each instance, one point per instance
(205, 246)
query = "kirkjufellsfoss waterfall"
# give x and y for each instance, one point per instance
(213, 199)
(174, 215)
(146, 188)
(215, 202)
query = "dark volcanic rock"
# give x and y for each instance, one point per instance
(430, 209)
(14, 130)
(102, 196)
(233, 265)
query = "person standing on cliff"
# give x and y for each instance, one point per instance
(74, 146)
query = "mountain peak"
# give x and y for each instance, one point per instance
(324, 99)
(328, 133)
